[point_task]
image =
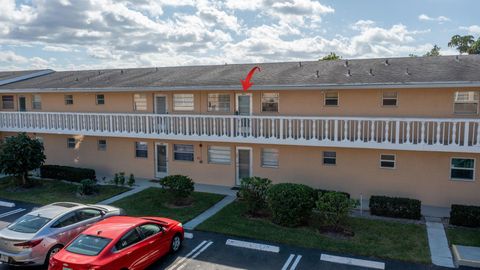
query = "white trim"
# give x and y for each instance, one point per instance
(237, 180)
(394, 161)
(251, 245)
(243, 94)
(462, 179)
(157, 173)
(155, 103)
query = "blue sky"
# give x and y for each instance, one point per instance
(91, 34)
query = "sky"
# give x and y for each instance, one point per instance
(95, 34)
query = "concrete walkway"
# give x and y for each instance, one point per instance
(122, 195)
(192, 224)
(438, 243)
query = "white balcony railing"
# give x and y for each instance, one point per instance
(423, 134)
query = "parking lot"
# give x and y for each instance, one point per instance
(202, 250)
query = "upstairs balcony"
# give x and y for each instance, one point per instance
(417, 134)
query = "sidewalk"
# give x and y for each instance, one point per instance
(438, 243)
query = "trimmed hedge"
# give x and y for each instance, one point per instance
(465, 215)
(395, 207)
(321, 192)
(66, 173)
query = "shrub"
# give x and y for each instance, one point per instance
(87, 187)
(465, 215)
(320, 192)
(290, 204)
(179, 186)
(121, 179)
(334, 208)
(72, 174)
(131, 180)
(254, 191)
(116, 179)
(395, 207)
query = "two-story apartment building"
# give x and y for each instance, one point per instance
(399, 127)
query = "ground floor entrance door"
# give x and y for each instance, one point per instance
(244, 163)
(161, 166)
(22, 104)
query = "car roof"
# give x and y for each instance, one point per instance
(55, 209)
(114, 227)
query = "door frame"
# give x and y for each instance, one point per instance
(157, 175)
(25, 98)
(244, 94)
(155, 102)
(237, 180)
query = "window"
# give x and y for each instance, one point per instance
(466, 102)
(71, 142)
(7, 102)
(36, 102)
(183, 102)
(88, 245)
(270, 158)
(389, 98)
(128, 239)
(329, 158)
(141, 149)
(139, 102)
(462, 169)
(270, 102)
(68, 99)
(331, 99)
(219, 102)
(28, 224)
(102, 145)
(88, 213)
(183, 152)
(387, 161)
(219, 154)
(67, 220)
(100, 99)
(149, 229)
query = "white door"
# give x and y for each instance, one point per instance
(243, 107)
(160, 104)
(161, 160)
(243, 164)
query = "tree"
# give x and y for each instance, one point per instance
(332, 56)
(19, 155)
(435, 51)
(465, 44)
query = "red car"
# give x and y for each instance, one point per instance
(120, 243)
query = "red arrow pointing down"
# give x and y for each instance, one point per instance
(246, 83)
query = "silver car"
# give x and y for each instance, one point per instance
(38, 235)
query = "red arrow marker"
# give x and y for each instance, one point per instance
(246, 83)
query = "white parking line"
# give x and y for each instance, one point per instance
(188, 235)
(12, 212)
(294, 264)
(250, 245)
(195, 255)
(352, 261)
(7, 204)
(200, 248)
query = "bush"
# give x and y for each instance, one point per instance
(320, 192)
(395, 207)
(87, 187)
(465, 215)
(179, 186)
(66, 173)
(334, 208)
(290, 204)
(254, 191)
(131, 180)
(121, 179)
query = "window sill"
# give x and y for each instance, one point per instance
(462, 180)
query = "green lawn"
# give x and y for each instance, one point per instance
(374, 238)
(49, 191)
(464, 236)
(151, 202)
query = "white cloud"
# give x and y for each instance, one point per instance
(52, 48)
(472, 29)
(440, 19)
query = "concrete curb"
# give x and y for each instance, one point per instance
(7, 204)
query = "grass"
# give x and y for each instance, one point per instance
(152, 202)
(49, 191)
(464, 236)
(383, 239)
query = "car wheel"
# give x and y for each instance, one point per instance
(54, 250)
(176, 243)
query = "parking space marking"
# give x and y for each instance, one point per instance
(352, 261)
(294, 264)
(7, 204)
(250, 245)
(193, 254)
(188, 235)
(12, 212)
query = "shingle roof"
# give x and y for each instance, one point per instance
(12, 74)
(384, 71)
(9, 77)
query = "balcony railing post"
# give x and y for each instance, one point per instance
(466, 133)
(397, 131)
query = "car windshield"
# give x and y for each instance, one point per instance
(29, 224)
(88, 245)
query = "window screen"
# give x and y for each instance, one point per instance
(270, 157)
(183, 152)
(183, 102)
(219, 154)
